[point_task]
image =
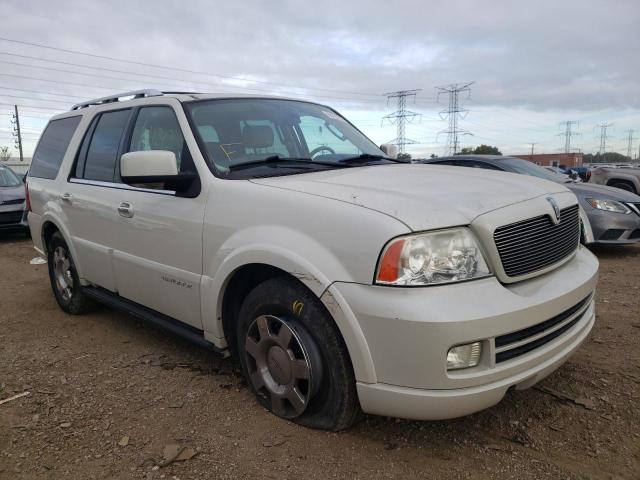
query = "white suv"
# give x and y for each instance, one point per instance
(341, 279)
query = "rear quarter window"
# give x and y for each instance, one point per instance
(52, 147)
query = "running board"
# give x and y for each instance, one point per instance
(189, 333)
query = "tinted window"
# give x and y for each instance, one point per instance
(52, 146)
(476, 164)
(157, 128)
(103, 149)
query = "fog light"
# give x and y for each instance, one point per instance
(464, 356)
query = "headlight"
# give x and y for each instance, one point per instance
(608, 205)
(432, 258)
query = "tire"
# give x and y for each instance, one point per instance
(63, 275)
(623, 186)
(313, 367)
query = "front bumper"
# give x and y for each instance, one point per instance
(614, 228)
(12, 218)
(408, 332)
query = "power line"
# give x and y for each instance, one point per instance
(454, 113)
(41, 93)
(568, 133)
(177, 69)
(401, 116)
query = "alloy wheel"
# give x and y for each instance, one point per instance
(283, 364)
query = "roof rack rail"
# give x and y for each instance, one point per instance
(117, 97)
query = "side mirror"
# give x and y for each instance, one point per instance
(390, 150)
(154, 167)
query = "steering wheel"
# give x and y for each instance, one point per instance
(321, 148)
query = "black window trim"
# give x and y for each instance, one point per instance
(87, 138)
(123, 145)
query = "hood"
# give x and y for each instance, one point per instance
(590, 190)
(11, 193)
(423, 197)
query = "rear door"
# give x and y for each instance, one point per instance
(89, 199)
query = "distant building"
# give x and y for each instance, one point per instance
(554, 159)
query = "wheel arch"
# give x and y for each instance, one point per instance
(50, 225)
(626, 179)
(236, 279)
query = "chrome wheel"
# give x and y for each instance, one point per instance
(62, 273)
(283, 364)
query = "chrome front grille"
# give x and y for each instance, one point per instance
(523, 341)
(635, 207)
(537, 243)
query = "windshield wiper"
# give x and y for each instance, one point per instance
(277, 159)
(369, 157)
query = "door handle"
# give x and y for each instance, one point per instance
(125, 209)
(66, 197)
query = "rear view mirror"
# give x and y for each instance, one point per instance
(152, 167)
(390, 150)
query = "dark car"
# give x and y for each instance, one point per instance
(13, 214)
(613, 214)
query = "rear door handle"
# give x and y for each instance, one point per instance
(66, 197)
(125, 209)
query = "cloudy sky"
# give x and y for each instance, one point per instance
(533, 64)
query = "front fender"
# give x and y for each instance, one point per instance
(297, 261)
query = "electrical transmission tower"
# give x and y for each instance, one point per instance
(568, 133)
(401, 117)
(16, 131)
(454, 112)
(603, 138)
(630, 139)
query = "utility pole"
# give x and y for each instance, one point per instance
(16, 131)
(454, 112)
(603, 139)
(630, 140)
(533, 144)
(568, 133)
(401, 117)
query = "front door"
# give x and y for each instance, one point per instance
(157, 250)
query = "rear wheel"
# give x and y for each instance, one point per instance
(63, 275)
(294, 358)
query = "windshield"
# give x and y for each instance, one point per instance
(8, 178)
(275, 135)
(528, 168)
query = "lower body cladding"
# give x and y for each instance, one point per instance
(611, 227)
(525, 330)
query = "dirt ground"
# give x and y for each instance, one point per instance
(109, 397)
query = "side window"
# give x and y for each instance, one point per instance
(443, 162)
(476, 164)
(157, 128)
(102, 153)
(52, 146)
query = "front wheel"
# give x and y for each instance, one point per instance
(63, 275)
(294, 357)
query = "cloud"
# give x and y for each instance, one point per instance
(544, 56)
